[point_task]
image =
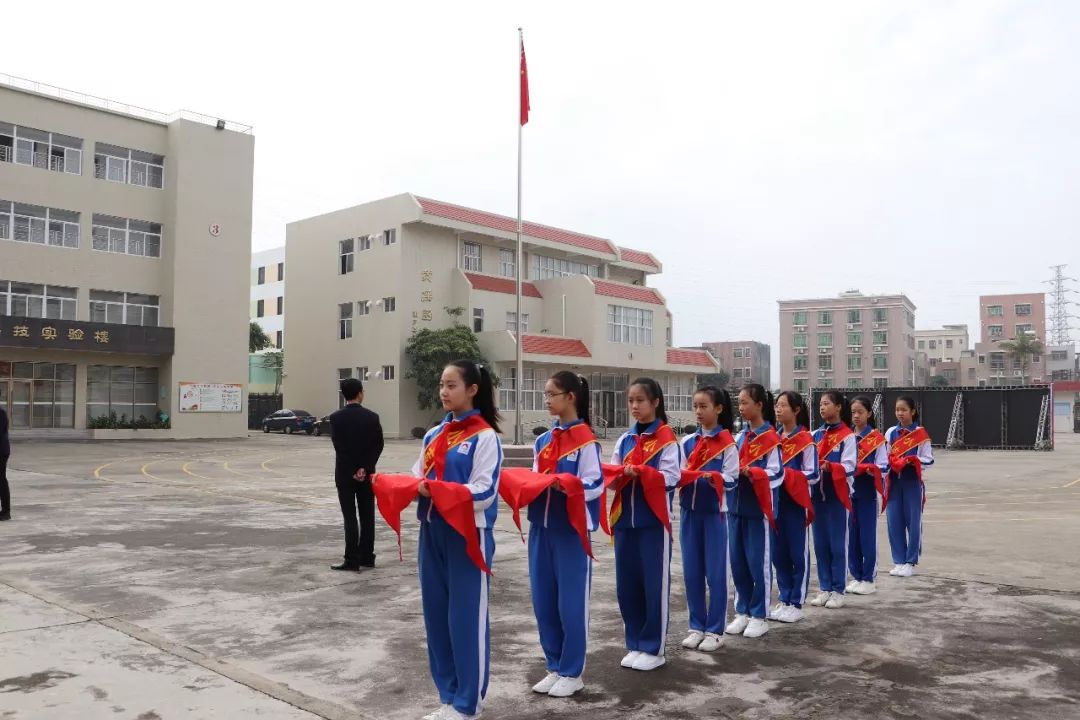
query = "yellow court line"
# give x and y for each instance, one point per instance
(237, 472)
(184, 467)
(267, 461)
(1069, 485)
(142, 470)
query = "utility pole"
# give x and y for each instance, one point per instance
(1059, 306)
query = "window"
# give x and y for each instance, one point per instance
(881, 382)
(800, 362)
(746, 373)
(389, 304)
(948, 344)
(1036, 359)
(799, 340)
(881, 362)
(363, 307)
(1054, 354)
(824, 339)
(262, 276)
(995, 310)
(1024, 329)
(344, 373)
(387, 372)
(746, 353)
(363, 243)
(854, 316)
(532, 395)
(38, 225)
(51, 302)
(345, 256)
(800, 386)
(124, 308)
(129, 237)
(389, 237)
(279, 340)
(123, 165)
(997, 361)
(824, 317)
(798, 317)
(854, 382)
(881, 337)
(507, 266)
(996, 330)
(345, 311)
(982, 359)
(470, 256)
(933, 343)
(922, 344)
(854, 362)
(629, 325)
(478, 320)
(736, 373)
(280, 271)
(971, 373)
(260, 306)
(511, 322)
(362, 372)
(824, 362)
(679, 393)
(881, 315)
(40, 149)
(280, 305)
(130, 391)
(1022, 308)
(854, 339)
(545, 267)
(738, 352)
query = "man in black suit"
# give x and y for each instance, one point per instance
(358, 443)
(5, 453)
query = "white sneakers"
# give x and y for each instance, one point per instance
(693, 639)
(646, 662)
(448, 712)
(756, 628)
(862, 588)
(835, 602)
(711, 643)
(895, 572)
(437, 714)
(790, 614)
(906, 571)
(565, 687)
(821, 599)
(630, 657)
(852, 585)
(738, 625)
(777, 609)
(545, 685)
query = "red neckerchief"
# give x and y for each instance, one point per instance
(646, 447)
(829, 442)
(450, 434)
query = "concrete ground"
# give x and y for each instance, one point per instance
(189, 580)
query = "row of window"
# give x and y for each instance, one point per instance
(36, 224)
(854, 339)
(543, 267)
(261, 273)
(19, 299)
(802, 385)
(606, 392)
(1021, 330)
(741, 374)
(999, 310)
(362, 307)
(825, 317)
(260, 307)
(948, 344)
(130, 391)
(742, 353)
(629, 325)
(511, 321)
(854, 362)
(348, 248)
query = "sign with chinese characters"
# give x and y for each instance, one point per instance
(211, 397)
(44, 333)
(426, 296)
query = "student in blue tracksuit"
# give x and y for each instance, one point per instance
(906, 492)
(830, 510)
(453, 590)
(560, 571)
(862, 535)
(642, 543)
(791, 546)
(749, 524)
(703, 526)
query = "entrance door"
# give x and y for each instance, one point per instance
(15, 398)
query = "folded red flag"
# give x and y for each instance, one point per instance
(394, 493)
(798, 488)
(759, 481)
(896, 466)
(689, 477)
(875, 471)
(653, 486)
(838, 474)
(520, 487)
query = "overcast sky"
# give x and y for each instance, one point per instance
(760, 150)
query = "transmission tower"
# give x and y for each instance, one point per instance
(1059, 306)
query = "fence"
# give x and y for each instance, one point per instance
(259, 406)
(972, 418)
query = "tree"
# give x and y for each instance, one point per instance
(1021, 349)
(429, 351)
(720, 379)
(257, 338)
(938, 381)
(275, 361)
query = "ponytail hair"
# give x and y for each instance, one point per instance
(570, 382)
(910, 402)
(722, 398)
(474, 373)
(759, 394)
(653, 392)
(838, 398)
(867, 403)
(796, 402)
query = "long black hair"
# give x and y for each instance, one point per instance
(838, 398)
(570, 382)
(759, 394)
(910, 401)
(796, 402)
(721, 398)
(653, 392)
(867, 403)
(474, 373)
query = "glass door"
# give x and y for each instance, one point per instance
(18, 402)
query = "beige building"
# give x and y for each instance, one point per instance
(943, 345)
(123, 234)
(365, 277)
(268, 310)
(852, 340)
(746, 361)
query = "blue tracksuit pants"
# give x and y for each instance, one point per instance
(703, 538)
(904, 514)
(791, 552)
(751, 564)
(643, 585)
(862, 533)
(560, 578)
(830, 541)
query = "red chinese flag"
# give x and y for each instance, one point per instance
(524, 87)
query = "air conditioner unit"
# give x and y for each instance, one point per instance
(800, 351)
(877, 326)
(800, 328)
(851, 326)
(855, 348)
(824, 351)
(879, 348)
(1018, 373)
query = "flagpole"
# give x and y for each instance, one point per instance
(519, 380)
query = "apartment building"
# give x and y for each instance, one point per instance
(123, 233)
(268, 310)
(1003, 318)
(852, 340)
(746, 361)
(364, 278)
(942, 345)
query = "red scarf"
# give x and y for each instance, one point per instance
(867, 447)
(564, 441)
(795, 482)
(707, 449)
(754, 448)
(653, 485)
(519, 487)
(450, 434)
(454, 501)
(898, 461)
(831, 440)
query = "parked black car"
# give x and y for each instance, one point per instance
(289, 422)
(322, 426)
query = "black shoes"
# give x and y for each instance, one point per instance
(346, 567)
(6, 515)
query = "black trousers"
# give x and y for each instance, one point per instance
(358, 502)
(5, 491)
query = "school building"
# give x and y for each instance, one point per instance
(363, 278)
(123, 234)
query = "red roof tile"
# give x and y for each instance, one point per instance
(507, 224)
(501, 285)
(637, 293)
(680, 356)
(548, 345)
(638, 256)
